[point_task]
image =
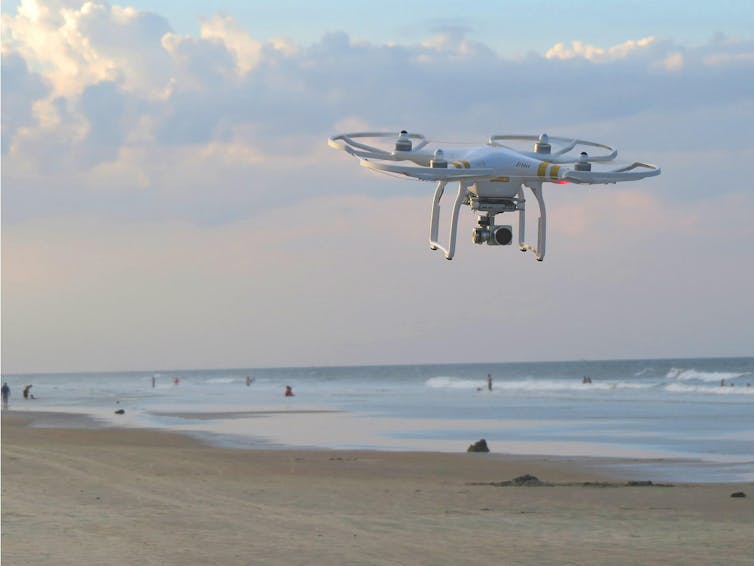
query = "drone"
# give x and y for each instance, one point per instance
(491, 178)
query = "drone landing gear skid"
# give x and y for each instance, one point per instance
(463, 198)
(435, 220)
(539, 251)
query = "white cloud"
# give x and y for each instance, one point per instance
(673, 62)
(199, 89)
(225, 98)
(596, 54)
(76, 44)
(246, 49)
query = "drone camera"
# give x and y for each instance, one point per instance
(492, 235)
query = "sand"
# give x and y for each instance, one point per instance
(115, 496)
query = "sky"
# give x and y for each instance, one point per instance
(169, 200)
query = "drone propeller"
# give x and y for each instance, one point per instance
(633, 172)
(436, 172)
(550, 152)
(405, 143)
(543, 146)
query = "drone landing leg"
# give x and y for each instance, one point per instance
(521, 220)
(454, 220)
(539, 251)
(435, 220)
(542, 225)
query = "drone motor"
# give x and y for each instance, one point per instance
(439, 160)
(543, 144)
(583, 163)
(403, 143)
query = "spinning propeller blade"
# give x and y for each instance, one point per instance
(404, 143)
(553, 148)
(633, 172)
(427, 173)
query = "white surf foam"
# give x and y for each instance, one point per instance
(681, 374)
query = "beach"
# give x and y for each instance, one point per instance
(76, 494)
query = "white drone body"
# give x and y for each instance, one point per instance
(491, 178)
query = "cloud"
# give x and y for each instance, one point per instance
(147, 171)
(223, 115)
(103, 107)
(76, 44)
(246, 50)
(673, 62)
(596, 54)
(21, 89)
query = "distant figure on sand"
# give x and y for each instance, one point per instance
(26, 392)
(6, 395)
(288, 391)
(489, 381)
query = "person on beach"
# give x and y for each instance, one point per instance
(250, 380)
(6, 394)
(154, 380)
(26, 392)
(489, 381)
(288, 391)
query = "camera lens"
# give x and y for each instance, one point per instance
(503, 236)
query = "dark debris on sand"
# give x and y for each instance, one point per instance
(528, 480)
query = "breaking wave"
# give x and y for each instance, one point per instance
(453, 383)
(706, 376)
(222, 380)
(534, 385)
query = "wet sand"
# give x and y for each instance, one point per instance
(77, 495)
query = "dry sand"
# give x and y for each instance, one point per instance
(109, 496)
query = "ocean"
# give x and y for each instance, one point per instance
(670, 419)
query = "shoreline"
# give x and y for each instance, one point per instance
(105, 495)
(354, 433)
(64, 421)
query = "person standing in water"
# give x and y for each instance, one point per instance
(6, 395)
(489, 381)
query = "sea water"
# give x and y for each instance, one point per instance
(681, 420)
